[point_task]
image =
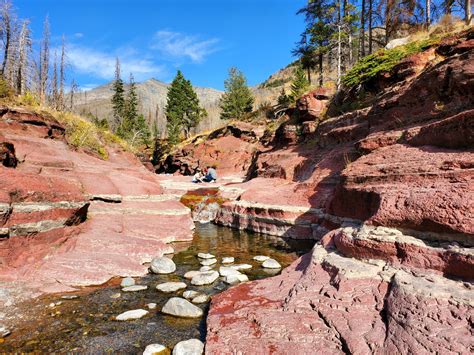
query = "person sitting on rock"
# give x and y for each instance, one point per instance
(211, 174)
(198, 176)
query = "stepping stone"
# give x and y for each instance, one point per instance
(261, 258)
(226, 271)
(228, 260)
(156, 349)
(168, 287)
(131, 315)
(189, 347)
(179, 307)
(205, 268)
(115, 295)
(190, 294)
(151, 305)
(241, 267)
(190, 274)
(69, 297)
(205, 278)
(235, 279)
(202, 298)
(208, 262)
(162, 265)
(128, 281)
(271, 264)
(206, 256)
(134, 288)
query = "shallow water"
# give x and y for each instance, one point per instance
(87, 324)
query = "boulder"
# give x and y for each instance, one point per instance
(226, 271)
(235, 279)
(241, 267)
(131, 315)
(179, 307)
(169, 287)
(205, 278)
(162, 265)
(127, 281)
(205, 256)
(260, 258)
(208, 262)
(271, 264)
(156, 349)
(189, 347)
(228, 260)
(134, 288)
(202, 298)
(190, 294)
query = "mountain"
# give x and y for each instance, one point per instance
(152, 96)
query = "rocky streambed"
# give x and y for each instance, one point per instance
(85, 321)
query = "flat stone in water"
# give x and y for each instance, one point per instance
(241, 267)
(228, 260)
(202, 298)
(168, 287)
(69, 297)
(226, 271)
(190, 294)
(189, 347)
(271, 264)
(151, 305)
(131, 315)
(190, 274)
(179, 307)
(205, 278)
(156, 349)
(115, 295)
(208, 262)
(205, 268)
(162, 265)
(261, 258)
(127, 281)
(235, 279)
(134, 288)
(206, 256)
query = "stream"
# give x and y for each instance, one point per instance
(87, 324)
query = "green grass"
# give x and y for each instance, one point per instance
(383, 61)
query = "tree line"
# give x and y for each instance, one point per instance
(27, 70)
(339, 32)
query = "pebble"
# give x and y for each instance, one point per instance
(261, 258)
(228, 260)
(205, 268)
(116, 295)
(206, 256)
(208, 262)
(202, 298)
(134, 288)
(190, 274)
(128, 281)
(189, 347)
(271, 264)
(190, 294)
(151, 305)
(162, 265)
(180, 307)
(153, 349)
(226, 271)
(241, 267)
(133, 314)
(235, 279)
(168, 287)
(205, 278)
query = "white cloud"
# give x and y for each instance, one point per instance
(179, 45)
(102, 65)
(78, 34)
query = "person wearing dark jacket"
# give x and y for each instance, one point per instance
(211, 175)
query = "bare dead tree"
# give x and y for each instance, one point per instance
(62, 74)
(44, 62)
(54, 83)
(24, 51)
(74, 88)
(6, 28)
(468, 12)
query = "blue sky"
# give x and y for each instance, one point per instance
(153, 38)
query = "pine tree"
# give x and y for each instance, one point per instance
(238, 99)
(118, 101)
(182, 109)
(300, 84)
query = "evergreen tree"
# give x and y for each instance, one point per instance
(300, 83)
(238, 99)
(118, 101)
(182, 109)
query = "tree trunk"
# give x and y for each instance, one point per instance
(370, 26)
(7, 31)
(320, 69)
(468, 12)
(428, 14)
(339, 57)
(362, 30)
